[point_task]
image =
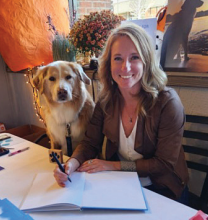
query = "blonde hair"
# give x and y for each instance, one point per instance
(153, 80)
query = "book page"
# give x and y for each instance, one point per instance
(46, 193)
(113, 190)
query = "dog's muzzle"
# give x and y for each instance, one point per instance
(62, 94)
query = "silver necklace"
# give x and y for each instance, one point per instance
(130, 118)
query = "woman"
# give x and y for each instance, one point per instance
(139, 120)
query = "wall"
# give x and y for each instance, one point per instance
(84, 7)
(16, 101)
(195, 100)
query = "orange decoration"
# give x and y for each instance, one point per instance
(161, 19)
(25, 41)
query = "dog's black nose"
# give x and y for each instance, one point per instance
(62, 94)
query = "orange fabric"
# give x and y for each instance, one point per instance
(161, 19)
(24, 37)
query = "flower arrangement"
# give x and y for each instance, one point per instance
(90, 33)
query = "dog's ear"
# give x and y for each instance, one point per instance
(39, 78)
(77, 68)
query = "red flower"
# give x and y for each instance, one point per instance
(89, 34)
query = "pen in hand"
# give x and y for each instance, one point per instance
(59, 164)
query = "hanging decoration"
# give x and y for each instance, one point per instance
(36, 98)
(24, 39)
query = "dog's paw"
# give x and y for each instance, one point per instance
(58, 154)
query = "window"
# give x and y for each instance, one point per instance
(130, 9)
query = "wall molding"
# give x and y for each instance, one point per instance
(186, 79)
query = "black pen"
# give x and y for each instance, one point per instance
(59, 164)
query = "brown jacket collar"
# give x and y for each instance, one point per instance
(112, 124)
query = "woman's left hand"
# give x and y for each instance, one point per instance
(97, 165)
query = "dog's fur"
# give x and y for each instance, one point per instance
(66, 101)
(178, 31)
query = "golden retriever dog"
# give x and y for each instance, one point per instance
(66, 101)
(177, 33)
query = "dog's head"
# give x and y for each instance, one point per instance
(192, 4)
(58, 80)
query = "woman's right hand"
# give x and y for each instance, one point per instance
(70, 166)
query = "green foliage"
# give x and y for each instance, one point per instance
(63, 49)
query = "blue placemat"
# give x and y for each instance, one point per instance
(6, 142)
(11, 141)
(11, 212)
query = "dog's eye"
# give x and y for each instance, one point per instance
(68, 77)
(52, 78)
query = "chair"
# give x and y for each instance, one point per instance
(197, 144)
(43, 140)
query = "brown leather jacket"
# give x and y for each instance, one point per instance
(158, 139)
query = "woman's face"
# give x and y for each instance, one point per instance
(126, 65)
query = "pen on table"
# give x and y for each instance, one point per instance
(9, 148)
(18, 151)
(59, 164)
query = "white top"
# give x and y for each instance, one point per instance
(126, 150)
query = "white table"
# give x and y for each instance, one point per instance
(17, 177)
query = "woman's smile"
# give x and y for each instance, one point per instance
(126, 77)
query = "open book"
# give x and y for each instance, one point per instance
(102, 190)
